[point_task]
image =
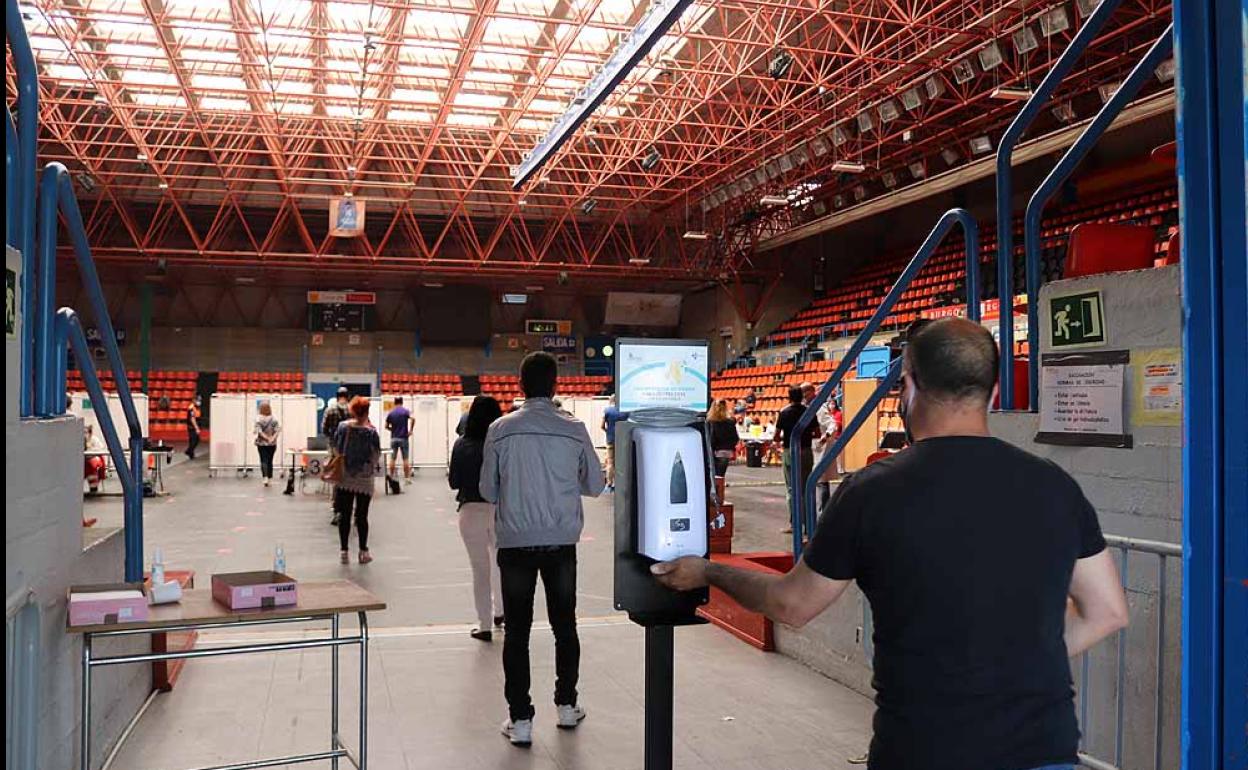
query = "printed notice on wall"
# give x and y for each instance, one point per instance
(1158, 387)
(1081, 399)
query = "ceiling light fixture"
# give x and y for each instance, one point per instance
(651, 160)
(773, 200)
(639, 261)
(695, 235)
(981, 145)
(1064, 112)
(780, 63)
(918, 170)
(589, 205)
(1006, 93)
(433, 284)
(633, 47)
(848, 167)
(949, 156)
(1165, 71)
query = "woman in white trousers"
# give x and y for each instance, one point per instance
(476, 527)
(476, 516)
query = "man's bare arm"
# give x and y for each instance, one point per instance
(1097, 606)
(793, 598)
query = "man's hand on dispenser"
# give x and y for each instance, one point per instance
(683, 574)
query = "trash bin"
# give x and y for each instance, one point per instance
(754, 454)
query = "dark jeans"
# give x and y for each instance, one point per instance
(343, 502)
(266, 459)
(519, 569)
(192, 441)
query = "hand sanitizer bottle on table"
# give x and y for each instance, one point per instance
(279, 560)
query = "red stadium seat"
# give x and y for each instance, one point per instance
(1109, 248)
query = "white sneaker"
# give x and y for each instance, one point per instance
(520, 733)
(570, 716)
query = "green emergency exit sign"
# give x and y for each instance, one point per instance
(1077, 320)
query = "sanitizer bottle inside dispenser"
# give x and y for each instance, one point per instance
(671, 492)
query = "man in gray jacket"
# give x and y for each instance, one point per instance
(538, 462)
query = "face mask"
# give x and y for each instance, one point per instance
(903, 411)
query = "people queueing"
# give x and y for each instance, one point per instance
(610, 416)
(334, 414)
(399, 422)
(538, 462)
(476, 516)
(980, 591)
(800, 466)
(724, 437)
(193, 415)
(357, 442)
(266, 429)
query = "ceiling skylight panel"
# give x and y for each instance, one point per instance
(484, 101)
(146, 99)
(614, 11)
(148, 78)
(218, 104)
(410, 116)
(594, 40)
(436, 25)
(471, 120)
(218, 83)
(414, 96)
(66, 72)
(133, 51)
(514, 32)
(427, 54)
(352, 16)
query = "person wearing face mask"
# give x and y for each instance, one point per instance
(984, 565)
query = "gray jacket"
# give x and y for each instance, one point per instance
(538, 462)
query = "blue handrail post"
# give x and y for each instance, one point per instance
(1005, 209)
(27, 133)
(802, 491)
(1058, 176)
(51, 335)
(67, 328)
(12, 172)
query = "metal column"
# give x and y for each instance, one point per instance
(1209, 40)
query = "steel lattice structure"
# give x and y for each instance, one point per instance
(215, 132)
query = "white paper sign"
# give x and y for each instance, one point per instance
(1081, 399)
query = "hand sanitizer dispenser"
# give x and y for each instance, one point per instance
(671, 492)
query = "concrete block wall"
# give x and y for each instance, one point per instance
(1137, 493)
(44, 552)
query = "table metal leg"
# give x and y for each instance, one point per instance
(85, 730)
(333, 692)
(363, 691)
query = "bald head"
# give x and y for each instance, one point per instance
(952, 359)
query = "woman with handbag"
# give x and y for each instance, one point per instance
(352, 470)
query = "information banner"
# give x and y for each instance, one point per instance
(1158, 391)
(671, 374)
(346, 217)
(1081, 399)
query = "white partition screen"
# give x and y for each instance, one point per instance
(429, 434)
(229, 431)
(298, 422)
(590, 412)
(81, 406)
(456, 406)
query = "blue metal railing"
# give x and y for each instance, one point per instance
(22, 205)
(802, 491)
(1005, 210)
(12, 171)
(54, 329)
(1058, 176)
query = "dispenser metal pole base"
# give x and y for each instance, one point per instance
(659, 670)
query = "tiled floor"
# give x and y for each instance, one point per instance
(436, 695)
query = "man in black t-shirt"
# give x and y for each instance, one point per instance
(968, 549)
(785, 425)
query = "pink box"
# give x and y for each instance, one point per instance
(253, 590)
(106, 604)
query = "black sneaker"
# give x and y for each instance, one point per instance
(481, 636)
(498, 621)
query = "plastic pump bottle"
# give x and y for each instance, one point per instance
(279, 560)
(158, 567)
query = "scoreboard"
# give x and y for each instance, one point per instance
(341, 311)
